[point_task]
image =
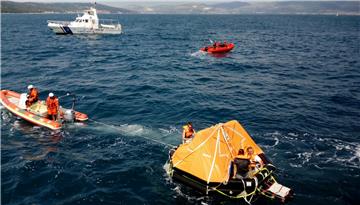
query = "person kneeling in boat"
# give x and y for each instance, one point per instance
(223, 44)
(52, 104)
(215, 45)
(32, 97)
(188, 132)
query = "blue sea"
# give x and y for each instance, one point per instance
(292, 81)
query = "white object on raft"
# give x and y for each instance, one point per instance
(279, 190)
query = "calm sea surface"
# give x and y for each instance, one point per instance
(292, 81)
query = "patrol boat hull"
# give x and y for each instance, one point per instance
(65, 29)
(88, 23)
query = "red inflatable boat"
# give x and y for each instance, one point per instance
(218, 48)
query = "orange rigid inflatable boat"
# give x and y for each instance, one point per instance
(35, 114)
(211, 164)
(219, 48)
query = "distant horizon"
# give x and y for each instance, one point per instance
(157, 1)
(130, 3)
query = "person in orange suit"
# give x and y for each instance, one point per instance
(52, 104)
(188, 132)
(33, 96)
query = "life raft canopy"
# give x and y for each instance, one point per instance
(210, 153)
(207, 164)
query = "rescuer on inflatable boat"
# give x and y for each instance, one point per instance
(33, 96)
(52, 104)
(188, 132)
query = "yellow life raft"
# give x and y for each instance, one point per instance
(209, 164)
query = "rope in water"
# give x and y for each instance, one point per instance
(118, 129)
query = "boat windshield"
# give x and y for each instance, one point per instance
(90, 12)
(82, 20)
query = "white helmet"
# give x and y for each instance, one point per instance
(51, 95)
(30, 86)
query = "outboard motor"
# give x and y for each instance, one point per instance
(69, 115)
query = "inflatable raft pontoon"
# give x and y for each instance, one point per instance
(220, 48)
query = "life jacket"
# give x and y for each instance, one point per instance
(33, 95)
(52, 105)
(189, 131)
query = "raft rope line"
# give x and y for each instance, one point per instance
(239, 134)
(216, 150)
(200, 145)
(226, 137)
(150, 139)
(226, 140)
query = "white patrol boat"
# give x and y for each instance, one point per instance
(88, 23)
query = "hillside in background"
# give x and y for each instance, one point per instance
(253, 7)
(233, 7)
(30, 7)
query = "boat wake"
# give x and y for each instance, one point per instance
(164, 136)
(199, 54)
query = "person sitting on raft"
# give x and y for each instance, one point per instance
(246, 162)
(33, 96)
(241, 163)
(255, 160)
(52, 104)
(188, 132)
